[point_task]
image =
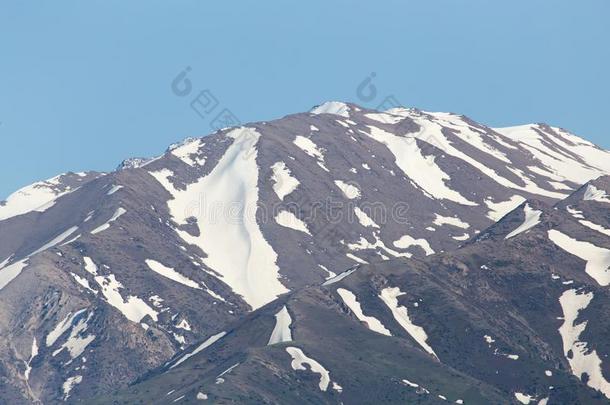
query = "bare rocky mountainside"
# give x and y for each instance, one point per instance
(341, 255)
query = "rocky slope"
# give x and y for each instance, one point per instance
(104, 277)
(516, 315)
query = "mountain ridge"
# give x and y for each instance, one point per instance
(161, 381)
(132, 267)
(135, 162)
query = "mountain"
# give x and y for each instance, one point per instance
(105, 280)
(515, 315)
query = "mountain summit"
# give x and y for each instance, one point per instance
(337, 255)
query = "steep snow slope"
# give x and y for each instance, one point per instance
(563, 155)
(228, 231)
(41, 196)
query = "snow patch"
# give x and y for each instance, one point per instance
(28, 364)
(117, 214)
(77, 342)
(74, 239)
(133, 308)
(62, 327)
(69, 385)
(349, 190)
(90, 266)
(455, 221)
(185, 152)
(331, 274)
(575, 213)
(184, 324)
(595, 227)
(364, 219)
(390, 297)
(524, 398)
(281, 332)
(55, 241)
(288, 220)
(283, 182)
(340, 277)
(209, 342)
(356, 258)
(113, 190)
(309, 147)
(299, 360)
(582, 359)
(172, 274)
(497, 211)
(10, 272)
(407, 241)
(597, 259)
(83, 282)
(592, 193)
(532, 218)
(364, 244)
(371, 322)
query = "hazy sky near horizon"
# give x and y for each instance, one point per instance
(86, 84)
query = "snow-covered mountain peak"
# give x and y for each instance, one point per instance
(332, 107)
(186, 141)
(133, 163)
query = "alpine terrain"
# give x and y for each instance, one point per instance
(341, 256)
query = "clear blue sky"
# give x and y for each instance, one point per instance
(86, 84)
